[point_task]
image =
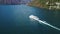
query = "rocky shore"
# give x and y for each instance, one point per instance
(53, 4)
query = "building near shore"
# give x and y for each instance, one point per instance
(48, 4)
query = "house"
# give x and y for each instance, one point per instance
(58, 5)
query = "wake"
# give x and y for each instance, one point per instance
(43, 22)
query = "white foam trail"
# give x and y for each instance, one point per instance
(43, 22)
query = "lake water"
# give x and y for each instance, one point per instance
(14, 19)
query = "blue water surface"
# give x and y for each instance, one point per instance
(14, 19)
